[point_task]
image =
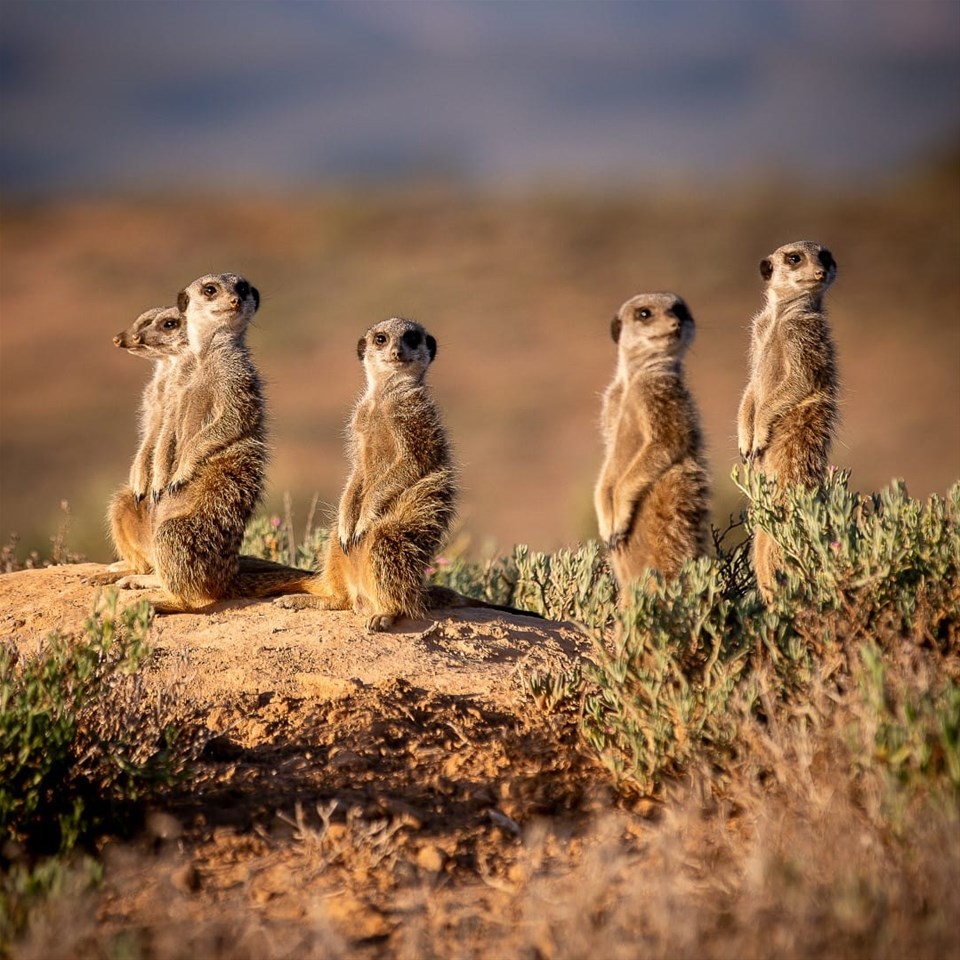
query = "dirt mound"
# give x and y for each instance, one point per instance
(353, 783)
(258, 648)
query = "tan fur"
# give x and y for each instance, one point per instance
(788, 413)
(158, 334)
(399, 501)
(217, 434)
(652, 496)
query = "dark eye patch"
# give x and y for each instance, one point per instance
(826, 260)
(243, 289)
(171, 324)
(413, 339)
(209, 290)
(642, 313)
(792, 258)
(380, 339)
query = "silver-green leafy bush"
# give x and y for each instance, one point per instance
(674, 670)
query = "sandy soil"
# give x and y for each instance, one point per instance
(261, 649)
(357, 790)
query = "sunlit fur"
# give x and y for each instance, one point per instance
(652, 496)
(399, 501)
(788, 413)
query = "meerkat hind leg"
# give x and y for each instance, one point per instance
(766, 563)
(325, 591)
(380, 622)
(109, 577)
(140, 581)
(304, 601)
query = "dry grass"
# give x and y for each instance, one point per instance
(804, 847)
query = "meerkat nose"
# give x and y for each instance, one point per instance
(118, 340)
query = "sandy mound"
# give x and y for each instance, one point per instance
(256, 647)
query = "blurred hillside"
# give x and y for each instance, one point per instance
(102, 95)
(518, 291)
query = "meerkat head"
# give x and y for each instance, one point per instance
(396, 346)
(156, 333)
(653, 324)
(796, 269)
(217, 301)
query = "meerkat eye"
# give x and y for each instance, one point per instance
(380, 339)
(412, 339)
(243, 289)
(794, 258)
(171, 324)
(642, 313)
(209, 290)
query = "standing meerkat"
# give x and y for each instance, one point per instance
(652, 496)
(160, 335)
(399, 501)
(788, 413)
(206, 493)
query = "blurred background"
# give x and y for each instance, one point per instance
(505, 173)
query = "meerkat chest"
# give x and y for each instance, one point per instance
(374, 437)
(628, 419)
(771, 361)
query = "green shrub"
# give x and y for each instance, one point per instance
(80, 738)
(675, 668)
(886, 554)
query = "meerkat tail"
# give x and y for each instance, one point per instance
(263, 578)
(445, 598)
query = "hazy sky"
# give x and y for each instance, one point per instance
(108, 95)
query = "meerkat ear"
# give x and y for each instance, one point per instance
(615, 325)
(255, 293)
(682, 312)
(183, 301)
(361, 347)
(431, 346)
(766, 269)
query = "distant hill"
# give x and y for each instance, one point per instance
(101, 95)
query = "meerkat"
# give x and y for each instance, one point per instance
(203, 497)
(652, 496)
(788, 414)
(400, 499)
(160, 335)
